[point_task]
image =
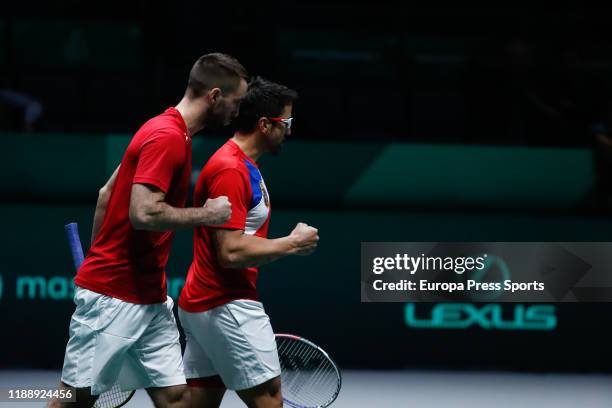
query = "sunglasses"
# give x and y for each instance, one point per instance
(286, 121)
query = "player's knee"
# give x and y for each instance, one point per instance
(266, 395)
(276, 395)
(177, 397)
(269, 401)
(277, 399)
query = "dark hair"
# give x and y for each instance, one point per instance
(215, 70)
(264, 98)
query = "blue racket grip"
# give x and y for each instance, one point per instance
(72, 232)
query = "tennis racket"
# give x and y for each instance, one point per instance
(113, 398)
(309, 377)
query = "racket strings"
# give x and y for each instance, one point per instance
(113, 398)
(308, 376)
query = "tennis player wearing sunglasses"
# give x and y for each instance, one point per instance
(230, 343)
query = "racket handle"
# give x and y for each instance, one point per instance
(72, 232)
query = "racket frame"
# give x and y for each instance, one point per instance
(333, 363)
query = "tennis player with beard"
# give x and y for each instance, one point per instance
(229, 340)
(123, 327)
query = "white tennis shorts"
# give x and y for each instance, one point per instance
(116, 341)
(234, 341)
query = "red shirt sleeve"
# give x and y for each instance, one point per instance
(232, 183)
(159, 158)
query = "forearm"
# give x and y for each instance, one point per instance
(251, 250)
(164, 217)
(103, 198)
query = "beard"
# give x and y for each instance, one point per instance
(217, 119)
(275, 148)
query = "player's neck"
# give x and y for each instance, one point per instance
(192, 115)
(248, 145)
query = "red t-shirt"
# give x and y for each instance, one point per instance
(232, 173)
(129, 264)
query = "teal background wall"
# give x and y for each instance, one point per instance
(306, 174)
(352, 193)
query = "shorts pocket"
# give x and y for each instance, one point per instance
(87, 310)
(109, 309)
(254, 324)
(94, 310)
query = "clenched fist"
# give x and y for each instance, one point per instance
(304, 239)
(218, 210)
